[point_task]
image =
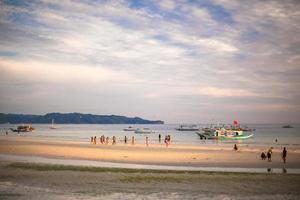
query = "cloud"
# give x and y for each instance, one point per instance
(162, 56)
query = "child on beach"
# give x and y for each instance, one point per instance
(284, 152)
(235, 147)
(269, 154)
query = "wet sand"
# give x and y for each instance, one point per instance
(155, 154)
(32, 181)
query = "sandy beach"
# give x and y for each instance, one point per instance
(179, 155)
(36, 180)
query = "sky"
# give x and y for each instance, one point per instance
(183, 61)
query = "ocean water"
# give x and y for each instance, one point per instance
(264, 134)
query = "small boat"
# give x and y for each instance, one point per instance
(188, 128)
(234, 132)
(287, 126)
(23, 128)
(130, 128)
(143, 131)
(52, 125)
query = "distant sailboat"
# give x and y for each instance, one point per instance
(52, 125)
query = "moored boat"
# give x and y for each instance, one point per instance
(23, 128)
(143, 131)
(188, 128)
(130, 128)
(232, 132)
(288, 126)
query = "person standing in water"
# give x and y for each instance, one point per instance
(284, 152)
(125, 140)
(159, 138)
(147, 143)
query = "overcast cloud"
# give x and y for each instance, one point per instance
(178, 61)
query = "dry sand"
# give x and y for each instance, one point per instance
(180, 155)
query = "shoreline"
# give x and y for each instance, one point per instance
(71, 163)
(175, 155)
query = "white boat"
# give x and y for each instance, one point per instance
(52, 125)
(143, 131)
(130, 128)
(234, 132)
(188, 128)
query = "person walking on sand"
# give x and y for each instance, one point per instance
(132, 140)
(269, 155)
(114, 140)
(159, 138)
(147, 142)
(125, 140)
(235, 147)
(95, 140)
(166, 141)
(263, 156)
(284, 152)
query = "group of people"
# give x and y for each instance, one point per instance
(105, 140)
(269, 155)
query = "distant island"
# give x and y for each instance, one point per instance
(73, 118)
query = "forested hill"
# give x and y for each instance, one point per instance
(73, 118)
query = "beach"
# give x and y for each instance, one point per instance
(60, 169)
(156, 153)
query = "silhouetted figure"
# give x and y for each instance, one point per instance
(95, 140)
(166, 141)
(125, 140)
(269, 155)
(235, 147)
(276, 140)
(147, 142)
(132, 140)
(263, 156)
(159, 138)
(284, 153)
(269, 170)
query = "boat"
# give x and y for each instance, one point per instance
(143, 131)
(130, 128)
(52, 125)
(188, 128)
(287, 126)
(231, 132)
(23, 128)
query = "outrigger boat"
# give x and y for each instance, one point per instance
(23, 128)
(130, 128)
(234, 132)
(188, 128)
(143, 131)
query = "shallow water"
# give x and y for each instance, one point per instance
(74, 162)
(265, 134)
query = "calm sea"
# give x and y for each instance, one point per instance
(264, 134)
